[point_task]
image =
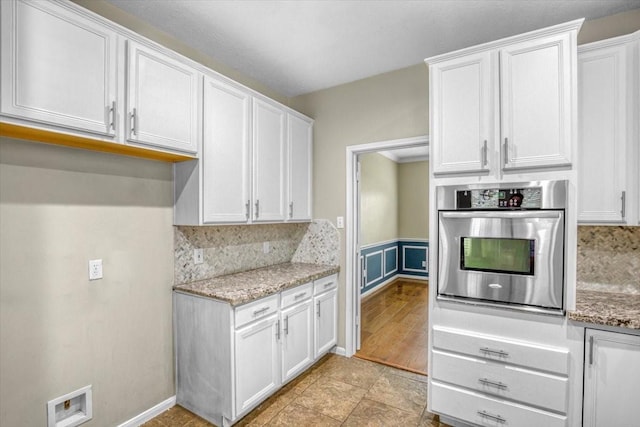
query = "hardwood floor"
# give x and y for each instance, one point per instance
(394, 326)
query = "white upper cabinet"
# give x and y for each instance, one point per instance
(505, 105)
(59, 67)
(269, 146)
(463, 111)
(607, 159)
(226, 153)
(536, 85)
(300, 138)
(162, 100)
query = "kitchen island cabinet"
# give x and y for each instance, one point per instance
(234, 352)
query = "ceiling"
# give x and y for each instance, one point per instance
(297, 47)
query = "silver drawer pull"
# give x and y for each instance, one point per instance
(300, 295)
(326, 285)
(497, 384)
(259, 312)
(500, 353)
(496, 418)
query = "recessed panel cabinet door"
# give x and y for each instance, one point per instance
(225, 153)
(602, 106)
(58, 67)
(536, 103)
(300, 152)
(256, 355)
(611, 379)
(297, 339)
(463, 107)
(162, 100)
(326, 329)
(268, 162)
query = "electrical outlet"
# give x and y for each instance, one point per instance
(95, 269)
(266, 247)
(340, 222)
(198, 256)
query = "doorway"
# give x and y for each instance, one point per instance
(356, 267)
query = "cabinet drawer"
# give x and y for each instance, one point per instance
(531, 355)
(509, 382)
(324, 284)
(296, 295)
(256, 310)
(482, 410)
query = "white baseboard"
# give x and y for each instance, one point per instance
(340, 351)
(410, 276)
(150, 413)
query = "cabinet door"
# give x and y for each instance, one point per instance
(326, 322)
(225, 153)
(462, 107)
(297, 339)
(268, 162)
(58, 67)
(162, 100)
(602, 106)
(256, 362)
(300, 151)
(611, 379)
(536, 86)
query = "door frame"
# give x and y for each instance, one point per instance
(351, 279)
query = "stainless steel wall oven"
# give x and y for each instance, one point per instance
(503, 244)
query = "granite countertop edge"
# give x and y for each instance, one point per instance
(247, 286)
(607, 309)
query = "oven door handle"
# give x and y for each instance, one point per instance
(556, 214)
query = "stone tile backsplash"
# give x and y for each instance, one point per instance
(609, 258)
(233, 248)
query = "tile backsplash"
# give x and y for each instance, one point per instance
(609, 258)
(233, 248)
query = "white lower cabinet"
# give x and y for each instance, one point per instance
(490, 380)
(326, 314)
(229, 359)
(611, 379)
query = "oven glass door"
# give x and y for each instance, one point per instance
(513, 257)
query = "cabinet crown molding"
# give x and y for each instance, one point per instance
(614, 41)
(497, 44)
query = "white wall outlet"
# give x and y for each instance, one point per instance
(198, 256)
(266, 247)
(95, 269)
(340, 222)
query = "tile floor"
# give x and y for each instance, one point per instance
(336, 391)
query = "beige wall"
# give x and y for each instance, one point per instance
(59, 208)
(378, 199)
(413, 200)
(610, 26)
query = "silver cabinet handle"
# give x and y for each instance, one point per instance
(133, 121)
(496, 418)
(591, 350)
(286, 325)
(500, 353)
(246, 208)
(484, 153)
(326, 285)
(497, 384)
(259, 312)
(623, 198)
(257, 204)
(506, 151)
(291, 210)
(318, 304)
(278, 330)
(112, 116)
(300, 295)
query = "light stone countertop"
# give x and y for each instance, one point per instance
(607, 308)
(247, 286)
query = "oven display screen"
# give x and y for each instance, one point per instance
(499, 255)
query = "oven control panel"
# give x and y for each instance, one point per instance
(500, 198)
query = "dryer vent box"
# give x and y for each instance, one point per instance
(71, 409)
